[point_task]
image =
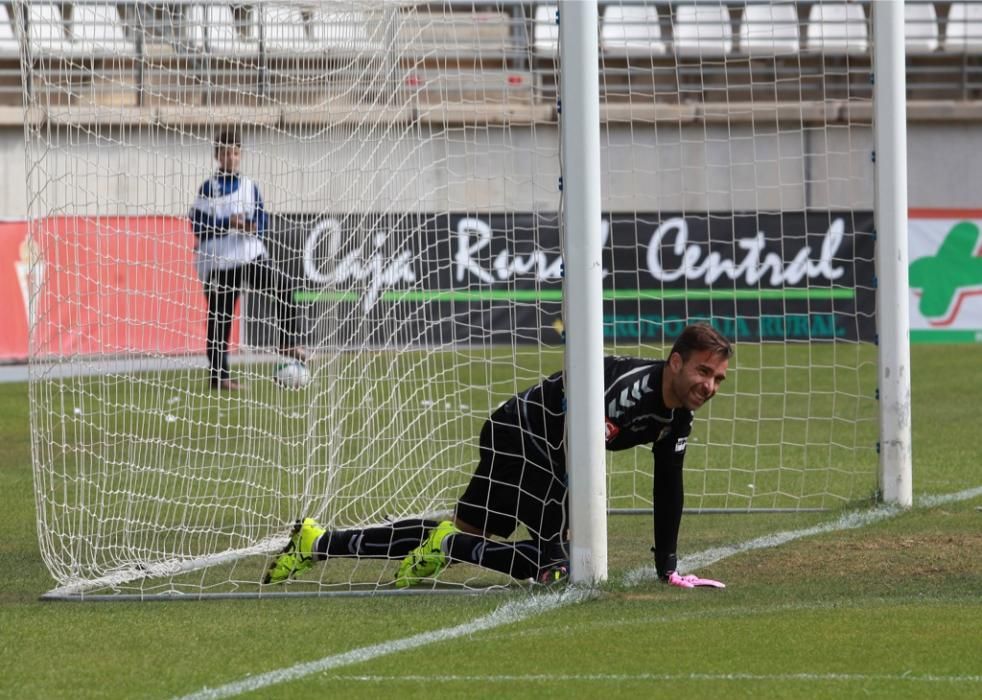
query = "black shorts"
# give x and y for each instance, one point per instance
(514, 484)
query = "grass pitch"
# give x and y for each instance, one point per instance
(888, 610)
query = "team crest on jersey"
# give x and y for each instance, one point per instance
(663, 433)
(610, 430)
(680, 445)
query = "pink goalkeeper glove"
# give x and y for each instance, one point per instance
(691, 581)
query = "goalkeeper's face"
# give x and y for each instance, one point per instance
(692, 382)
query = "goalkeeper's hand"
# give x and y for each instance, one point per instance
(692, 581)
(666, 564)
(240, 223)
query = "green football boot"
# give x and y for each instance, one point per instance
(553, 574)
(427, 560)
(298, 555)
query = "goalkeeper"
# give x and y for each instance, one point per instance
(229, 222)
(521, 475)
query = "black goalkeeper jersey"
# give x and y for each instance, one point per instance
(634, 411)
(635, 414)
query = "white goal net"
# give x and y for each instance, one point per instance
(408, 157)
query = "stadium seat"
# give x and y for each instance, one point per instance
(770, 30)
(631, 31)
(462, 32)
(339, 30)
(964, 33)
(545, 34)
(702, 30)
(9, 45)
(97, 30)
(47, 31)
(213, 28)
(920, 27)
(284, 29)
(837, 27)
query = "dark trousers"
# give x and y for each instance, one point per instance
(223, 289)
(514, 484)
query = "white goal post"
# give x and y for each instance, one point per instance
(893, 315)
(464, 198)
(583, 291)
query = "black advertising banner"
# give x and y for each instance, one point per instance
(783, 276)
(415, 280)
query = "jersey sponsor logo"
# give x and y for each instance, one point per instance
(680, 445)
(629, 397)
(610, 430)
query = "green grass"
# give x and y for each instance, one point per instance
(889, 610)
(151, 467)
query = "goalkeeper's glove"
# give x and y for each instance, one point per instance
(666, 565)
(691, 581)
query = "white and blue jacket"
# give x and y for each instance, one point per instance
(218, 245)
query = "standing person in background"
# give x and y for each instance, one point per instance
(229, 221)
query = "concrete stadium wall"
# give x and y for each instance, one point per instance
(139, 170)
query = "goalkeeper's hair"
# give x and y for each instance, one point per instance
(699, 337)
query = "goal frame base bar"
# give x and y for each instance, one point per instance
(720, 511)
(76, 592)
(54, 596)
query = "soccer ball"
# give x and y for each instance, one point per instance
(292, 375)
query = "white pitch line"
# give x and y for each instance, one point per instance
(932, 500)
(677, 616)
(519, 610)
(514, 611)
(622, 677)
(848, 521)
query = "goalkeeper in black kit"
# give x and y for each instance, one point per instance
(521, 476)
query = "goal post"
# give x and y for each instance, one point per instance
(466, 198)
(579, 124)
(890, 128)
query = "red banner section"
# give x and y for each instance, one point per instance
(100, 286)
(15, 260)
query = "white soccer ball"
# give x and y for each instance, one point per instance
(292, 375)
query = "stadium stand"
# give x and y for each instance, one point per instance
(770, 30)
(469, 35)
(964, 29)
(702, 31)
(631, 30)
(221, 31)
(10, 47)
(336, 31)
(837, 27)
(678, 51)
(285, 30)
(98, 31)
(546, 30)
(9, 43)
(921, 28)
(48, 31)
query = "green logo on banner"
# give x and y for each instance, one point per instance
(953, 272)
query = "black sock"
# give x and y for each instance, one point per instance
(383, 542)
(519, 560)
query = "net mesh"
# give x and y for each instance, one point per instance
(409, 161)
